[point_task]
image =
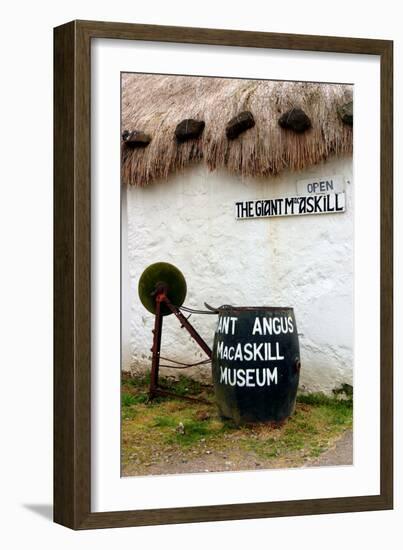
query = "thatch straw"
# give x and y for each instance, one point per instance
(156, 104)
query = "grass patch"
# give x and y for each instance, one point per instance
(193, 431)
(183, 386)
(138, 381)
(174, 431)
(345, 391)
(164, 422)
(326, 400)
(129, 399)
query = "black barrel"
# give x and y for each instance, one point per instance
(256, 363)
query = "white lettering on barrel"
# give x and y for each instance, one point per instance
(248, 353)
(261, 380)
(263, 351)
(267, 322)
(233, 321)
(279, 357)
(272, 325)
(224, 325)
(240, 378)
(290, 325)
(276, 325)
(257, 329)
(232, 381)
(249, 381)
(256, 352)
(272, 376)
(238, 353)
(248, 377)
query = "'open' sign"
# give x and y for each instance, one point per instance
(322, 185)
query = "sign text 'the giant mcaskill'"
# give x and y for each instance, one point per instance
(330, 203)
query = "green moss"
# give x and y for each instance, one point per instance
(129, 399)
(182, 386)
(138, 381)
(193, 432)
(164, 422)
(322, 399)
(345, 391)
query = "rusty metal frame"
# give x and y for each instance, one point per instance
(161, 298)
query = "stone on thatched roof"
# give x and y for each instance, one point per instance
(239, 124)
(189, 129)
(346, 113)
(156, 104)
(295, 119)
(135, 139)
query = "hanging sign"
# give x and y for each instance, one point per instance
(330, 203)
(321, 185)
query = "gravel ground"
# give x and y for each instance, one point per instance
(339, 455)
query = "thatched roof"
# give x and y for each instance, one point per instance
(156, 104)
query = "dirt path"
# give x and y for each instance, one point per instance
(340, 454)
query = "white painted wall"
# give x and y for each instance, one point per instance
(303, 261)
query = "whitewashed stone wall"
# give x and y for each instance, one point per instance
(305, 262)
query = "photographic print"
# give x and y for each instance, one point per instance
(236, 274)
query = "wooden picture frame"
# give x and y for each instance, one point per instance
(72, 271)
